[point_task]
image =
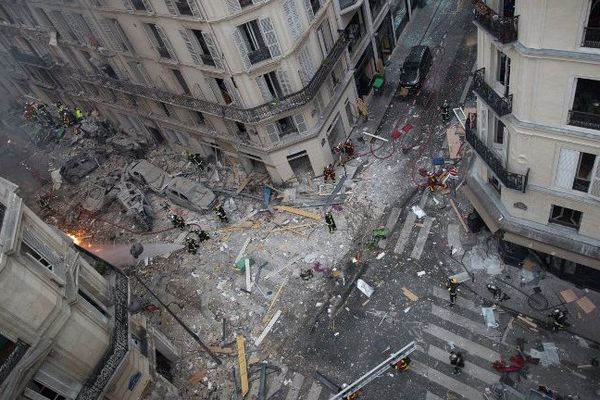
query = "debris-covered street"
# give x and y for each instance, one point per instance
(313, 282)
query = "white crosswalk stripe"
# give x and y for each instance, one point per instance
(295, 387)
(458, 319)
(431, 396)
(277, 381)
(454, 240)
(422, 238)
(470, 368)
(465, 344)
(467, 304)
(314, 391)
(443, 380)
(409, 222)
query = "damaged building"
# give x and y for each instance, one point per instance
(66, 331)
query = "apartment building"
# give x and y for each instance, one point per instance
(65, 329)
(536, 177)
(269, 83)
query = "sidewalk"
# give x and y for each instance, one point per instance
(412, 35)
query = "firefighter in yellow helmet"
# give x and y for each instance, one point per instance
(452, 286)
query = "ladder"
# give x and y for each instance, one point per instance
(375, 372)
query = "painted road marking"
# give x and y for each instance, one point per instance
(431, 396)
(469, 346)
(409, 222)
(470, 368)
(422, 238)
(295, 387)
(454, 239)
(467, 304)
(449, 383)
(314, 391)
(471, 325)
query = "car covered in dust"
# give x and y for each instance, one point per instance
(190, 194)
(78, 167)
(143, 172)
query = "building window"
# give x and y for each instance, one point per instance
(121, 36)
(92, 302)
(241, 128)
(591, 37)
(503, 72)
(41, 390)
(181, 81)
(156, 36)
(586, 105)
(583, 175)
(499, 133)
(245, 3)
(315, 5)
(325, 38)
(25, 249)
(224, 92)
(565, 216)
(206, 57)
(183, 7)
(495, 183)
(273, 85)
(286, 126)
(252, 37)
(199, 117)
(139, 5)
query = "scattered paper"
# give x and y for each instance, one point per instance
(364, 287)
(407, 309)
(418, 211)
(420, 273)
(409, 295)
(380, 255)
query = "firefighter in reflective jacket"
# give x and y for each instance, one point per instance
(402, 364)
(354, 396)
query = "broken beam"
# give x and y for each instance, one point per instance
(297, 211)
(268, 328)
(242, 363)
(243, 185)
(375, 136)
(460, 218)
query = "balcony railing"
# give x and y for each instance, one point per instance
(42, 62)
(500, 105)
(508, 179)
(591, 37)
(346, 3)
(119, 345)
(259, 55)
(13, 359)
(245, 115)
(584, 119)
(502, 28)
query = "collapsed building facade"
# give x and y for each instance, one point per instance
(65, 330)
(271, 84)
(536, 178)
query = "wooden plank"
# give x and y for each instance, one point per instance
(568, 295)
(267, 328)
(410, 295)
(197, 377)
(291, 227)
(275, 298)
(243, 185)
(300, 212)
(220, 350)
(586, 304)
(460, 218)
(242, 364)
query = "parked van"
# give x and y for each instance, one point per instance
(415, 68)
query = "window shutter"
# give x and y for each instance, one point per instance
(264, 89)
(284, 82)
(293, 19)
(309, 10)
(93, 29)
(234, 6)
(212, 83)
(300, 123)
(197, 92)
(58, 22)
(143, 73)
(196, 10)
(127, 4)
(76, 27)
(191, 46)
(166, 41)
(237, 100)
(147, 6)
(483, 125)
(268, 32)
(328, 35)
(151, 37)
(307, 68)
(40, 247)
(566, 169)
(273, 133)
(106, 26)
(171, 7)
(209, 39)
(241, 45)
(595, 184)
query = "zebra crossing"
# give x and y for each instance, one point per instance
(430, 362)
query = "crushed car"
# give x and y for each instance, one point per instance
(78, 167)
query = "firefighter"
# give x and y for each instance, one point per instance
(177, 221)
(402, 364)
(78, 113)
(498, 294)
(445, 111)
(329, 173)
(306, 275)
(559, 320)
(354, 396)
(220, 212)
(203, 236)
(192, 245)
(457, 360)
(330, 222)
(349, 148)
(452, 286)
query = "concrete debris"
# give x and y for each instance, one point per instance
(364, 287)
(380, 255)
(489, 318)
(420, 273)
(418, 211)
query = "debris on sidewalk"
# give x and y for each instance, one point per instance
(197, 377)
(586, 304)
(364, 287)
(568, 295)
(418, 211)
(409, 295)
(420, 273)
(267, 329)
(380, 255)
(489, 318)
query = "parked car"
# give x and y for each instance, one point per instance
(190, 194)
(80, 166)
(415, 68)
(148, 174)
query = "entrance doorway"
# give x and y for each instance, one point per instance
(300, 164)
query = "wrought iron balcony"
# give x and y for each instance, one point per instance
(244, 115)
(508, 179)
(591, 37)
(42, 62)
(259, 55)
(500, 105)
(346, 3)
(584, 119)
(502, 28)
(13, 359)
(119, 345)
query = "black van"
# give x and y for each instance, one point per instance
(415, 67)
